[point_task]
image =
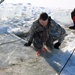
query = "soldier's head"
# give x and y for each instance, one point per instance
(43, 19)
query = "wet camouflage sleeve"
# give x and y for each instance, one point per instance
(59, 30)
(32, 32)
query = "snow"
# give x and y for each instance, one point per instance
(18, 18)
(51, 4)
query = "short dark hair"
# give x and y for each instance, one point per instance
(44, 16)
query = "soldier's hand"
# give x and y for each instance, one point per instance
(27, 44)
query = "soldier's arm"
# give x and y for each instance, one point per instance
(57, 28)
(31, 35)
(32, 32)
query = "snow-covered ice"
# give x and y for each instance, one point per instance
(15, 59)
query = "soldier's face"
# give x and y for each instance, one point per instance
(43, 23)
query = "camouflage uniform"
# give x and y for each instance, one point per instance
(40, 35)
(73, 19)
(73, 16)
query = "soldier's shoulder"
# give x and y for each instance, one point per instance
(49, 17)
(35, 23)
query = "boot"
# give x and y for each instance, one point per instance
(56, 45)
(72, 27)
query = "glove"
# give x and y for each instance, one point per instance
(56, 45)
(27, 44)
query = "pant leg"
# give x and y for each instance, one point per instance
(49, 42)
(59, 38)
(38, 43)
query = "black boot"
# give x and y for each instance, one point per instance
(72, 27)
(56, 45)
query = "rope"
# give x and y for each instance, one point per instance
(66, 62)
(10, 42)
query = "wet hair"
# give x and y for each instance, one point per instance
(44, 16)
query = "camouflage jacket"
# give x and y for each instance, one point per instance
(37, 30)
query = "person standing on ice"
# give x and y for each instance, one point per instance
(73, 18)
(1, 1)
(45, 31)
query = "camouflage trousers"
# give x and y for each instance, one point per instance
(38, 42)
